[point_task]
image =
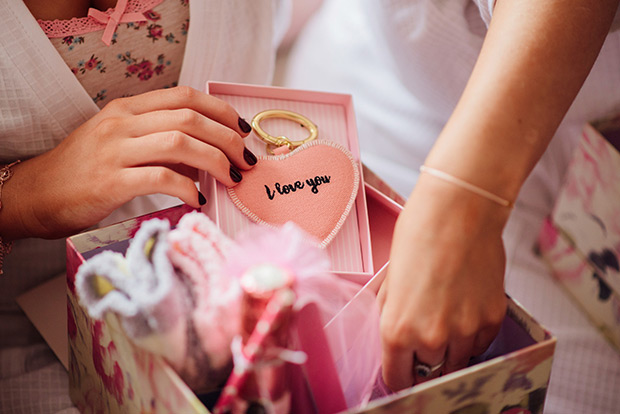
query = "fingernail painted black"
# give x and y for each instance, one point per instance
(243, 124)
(235, 174)
(201, 199)
(249, 157)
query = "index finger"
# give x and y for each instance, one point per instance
(182, 97)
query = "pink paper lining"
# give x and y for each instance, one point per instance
(82, 25)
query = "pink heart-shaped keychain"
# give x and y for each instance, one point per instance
(314, 186)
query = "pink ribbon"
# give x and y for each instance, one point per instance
(112, 20)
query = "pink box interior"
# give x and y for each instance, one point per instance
(350, 251)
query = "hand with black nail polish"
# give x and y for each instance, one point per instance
(152, 143)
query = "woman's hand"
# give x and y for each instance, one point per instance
(443, 298)
(146, 144)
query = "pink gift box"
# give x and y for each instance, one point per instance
(581, 239)
(350, 251)
(108, 373)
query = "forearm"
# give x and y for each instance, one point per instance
(443, 297)
(534, 60)
(22, 197)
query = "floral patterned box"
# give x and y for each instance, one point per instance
(109, 374)
(581, 238)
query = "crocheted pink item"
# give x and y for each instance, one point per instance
(314, 186)
(198, 249)
(129, 10)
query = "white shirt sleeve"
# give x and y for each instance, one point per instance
(486, 9)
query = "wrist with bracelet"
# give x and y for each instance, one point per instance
(466, 186)
(6, 173)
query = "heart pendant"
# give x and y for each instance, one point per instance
(314, 186)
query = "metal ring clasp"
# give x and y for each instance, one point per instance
(282, 140)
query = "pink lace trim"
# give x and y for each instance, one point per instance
(82, 25)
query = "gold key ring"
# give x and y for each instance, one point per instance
(282, 140)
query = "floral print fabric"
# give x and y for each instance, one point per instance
(142, 56)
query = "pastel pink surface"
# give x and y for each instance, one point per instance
(320, 214)
(350, 251)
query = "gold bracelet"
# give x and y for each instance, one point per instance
(5, 174)
(467, 186)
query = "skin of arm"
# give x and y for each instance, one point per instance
(444, 293)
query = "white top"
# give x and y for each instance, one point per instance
(406, 64)
(41, 102)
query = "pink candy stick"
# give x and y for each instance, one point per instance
(277, 309)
